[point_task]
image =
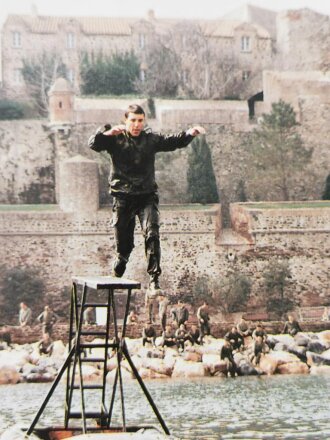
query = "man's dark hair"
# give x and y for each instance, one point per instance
(134, 108)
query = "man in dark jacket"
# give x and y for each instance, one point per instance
(133, 186)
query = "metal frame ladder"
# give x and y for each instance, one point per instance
(80, 341)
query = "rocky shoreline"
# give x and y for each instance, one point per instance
(306, 353)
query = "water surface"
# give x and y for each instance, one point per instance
(275, 407)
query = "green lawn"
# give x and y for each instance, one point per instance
(289, 205)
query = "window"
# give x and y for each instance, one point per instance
(245, 44)
(71, 75)
(245, 75)
(18, 77)
(17, 40)
(142, 41)
(70, 41)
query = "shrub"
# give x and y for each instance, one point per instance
(20, 284)
(11, 110)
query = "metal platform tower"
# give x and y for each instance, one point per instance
(83, 294)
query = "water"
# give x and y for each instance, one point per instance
(275, 407)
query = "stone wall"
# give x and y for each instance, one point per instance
(66, 244)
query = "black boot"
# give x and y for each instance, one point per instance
(119, 266)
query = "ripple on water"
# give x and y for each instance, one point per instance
(276, 407)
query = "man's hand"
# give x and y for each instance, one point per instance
(115, 131)
(195, 131)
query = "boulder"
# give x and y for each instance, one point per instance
(193, 356)
(316, 359)
(324, 338)
(268, 364)
(320, 370)
(13, 358)
(316, 347)
(158, 366)
(213, 363)
(301, 339)
(299, 351)
(293, 368)
(147, 373)
(9, 375)
(283, 339)
(189, 369)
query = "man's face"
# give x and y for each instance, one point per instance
(134, 124)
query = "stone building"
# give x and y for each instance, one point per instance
(25, 37)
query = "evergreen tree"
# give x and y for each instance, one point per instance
(276, 278)
(202, 187)
(326, 193)
(277, 152)
(109, 75)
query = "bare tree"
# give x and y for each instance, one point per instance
(39, 74)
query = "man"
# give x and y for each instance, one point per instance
(182, 314)
(235, 338)
(194, 335)
(162, 309)
(291, 326)
(226, 354)
(25, 315)
(181, 336)
(133, 186)
(203, 320)
(46, 345)
(168, 337)
(47, 319)
(150, 304)
(149, 335)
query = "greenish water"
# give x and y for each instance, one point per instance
(276, 407)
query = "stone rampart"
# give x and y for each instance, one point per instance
(305, 227)
(64, 244)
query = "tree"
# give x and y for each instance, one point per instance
(115, 75)
(202, 187)
(277, 153)
(39, 74)
(11, 110)
(20, 284)
(276, 278)
(162, 70)
(326, 193)
(232, 292)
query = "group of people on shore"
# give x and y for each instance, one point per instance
(46, 318)
(176, 332)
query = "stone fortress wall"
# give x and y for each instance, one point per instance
(76, 238)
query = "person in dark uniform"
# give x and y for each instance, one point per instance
(259, 347)
(203, 321)
(149, 335)
(168, 337)
(194, 334)
(182, 314)
(132, 150)
(181, 336)
(291, 326)
(226, 354)
(235, 338)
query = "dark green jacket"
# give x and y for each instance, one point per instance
(133, 158)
